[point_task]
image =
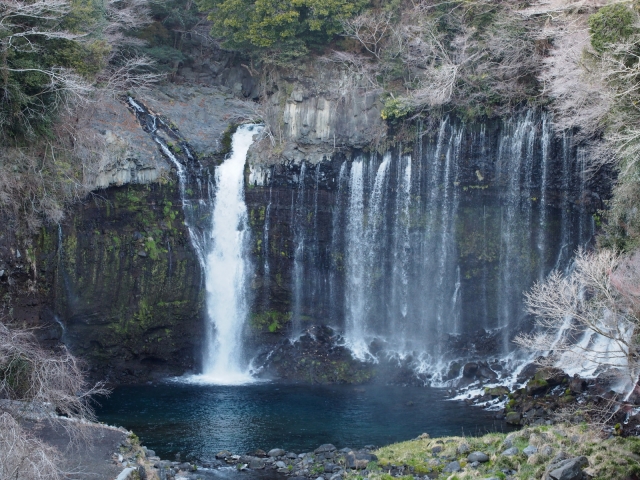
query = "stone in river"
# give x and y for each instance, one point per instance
(276, 452)
(327, 447)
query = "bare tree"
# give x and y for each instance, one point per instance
(31, 374)
(23, 457)
(359, 70)
(370, 29)
(577, 86)
(591, 316)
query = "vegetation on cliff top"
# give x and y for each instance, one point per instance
(284, 25)
(57, 57)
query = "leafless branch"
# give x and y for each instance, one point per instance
(589, 316)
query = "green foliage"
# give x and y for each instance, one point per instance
(15, 375)
(270, 320)
(611, 24)
(394, 109)
(166, 38)
(289, 25)
(227, 138)
(41, 51)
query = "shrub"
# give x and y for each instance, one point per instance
(394, 109)
(611, 24)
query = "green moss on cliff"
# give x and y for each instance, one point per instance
(129, 290)
(271, 321)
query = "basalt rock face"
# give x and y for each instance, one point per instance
(127, 155)
(319, 113)
(127, 285)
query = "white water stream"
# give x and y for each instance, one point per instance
(228, 270)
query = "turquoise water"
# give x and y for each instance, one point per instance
(198, 421)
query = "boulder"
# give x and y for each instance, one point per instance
(530, 450)
(453, 467)
(436, 450)
(509, 452)
(280, 464)
(258, 453)
(469, 370)
(513, 418)
(256, 463)
(330, 467)
(327, 447)
(478, 457)
(142, 472)
(497, 391)
(570, 469)
(463, 448)
(359, 461)
(276, 452)
(223, 454)
(577, 384)
(484, 371)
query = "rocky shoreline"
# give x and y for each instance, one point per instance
(557, 453)
(546, 396)
(326, 462)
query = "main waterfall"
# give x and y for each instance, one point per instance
(227, 269)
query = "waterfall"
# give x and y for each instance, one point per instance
(265, 235)
(516, 207)
(223, 254)
(401, 251)
(336, 260)
(218, 227)
(443, 242)
(542, 250)
(355, 324)
(298, 217)
(227, 268)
